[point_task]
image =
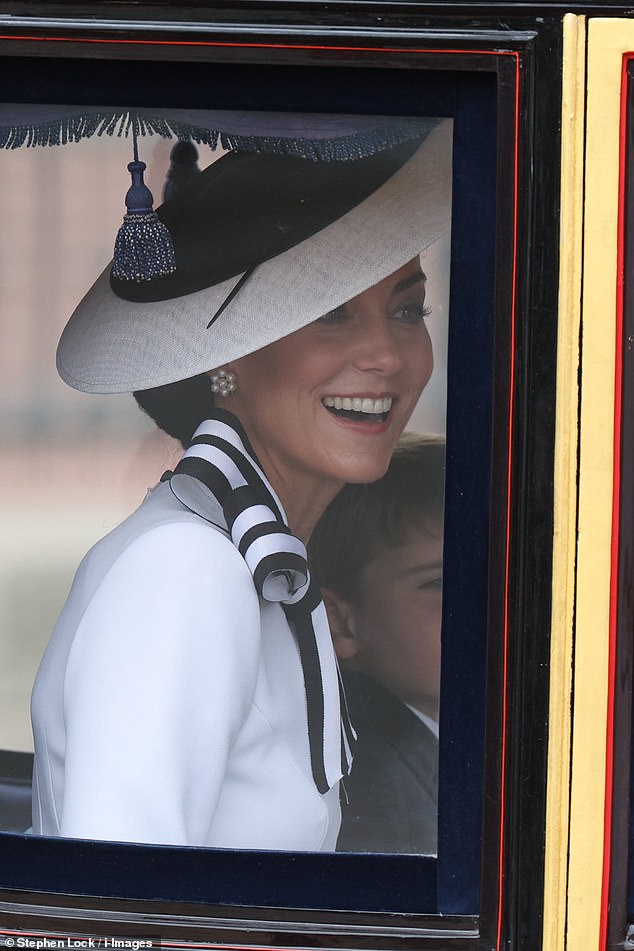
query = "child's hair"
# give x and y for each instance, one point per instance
(363, 519)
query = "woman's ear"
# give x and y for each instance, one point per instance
(341, 618)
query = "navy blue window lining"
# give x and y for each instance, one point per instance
(406, 884)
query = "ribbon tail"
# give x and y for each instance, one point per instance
(300, 618)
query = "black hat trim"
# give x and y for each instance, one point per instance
(247, 208)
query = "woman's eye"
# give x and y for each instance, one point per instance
(333, 316)
(413, 313)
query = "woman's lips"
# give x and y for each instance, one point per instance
(366, 413)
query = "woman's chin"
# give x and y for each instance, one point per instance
(360, 472)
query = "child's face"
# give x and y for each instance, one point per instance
(397, 622)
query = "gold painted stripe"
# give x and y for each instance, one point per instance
(565, 482)
(607, 41)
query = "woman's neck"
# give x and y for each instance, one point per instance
(304, 500)
(304, 493)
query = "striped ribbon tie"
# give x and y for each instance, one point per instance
(221, 467)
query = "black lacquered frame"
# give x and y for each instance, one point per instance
(499, 79)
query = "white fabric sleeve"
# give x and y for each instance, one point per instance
(159, 680)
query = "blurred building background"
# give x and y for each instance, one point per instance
(73, 465)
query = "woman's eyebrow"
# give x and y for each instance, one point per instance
(408, 282)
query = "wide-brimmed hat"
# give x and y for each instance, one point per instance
(299, 238)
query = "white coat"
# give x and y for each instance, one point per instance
(170, 706)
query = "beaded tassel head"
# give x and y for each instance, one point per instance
(143, 248)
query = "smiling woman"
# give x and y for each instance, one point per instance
(338, 394)
(288, 360)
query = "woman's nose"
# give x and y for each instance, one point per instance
(378, 348)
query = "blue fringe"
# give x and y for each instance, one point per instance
(119, 123)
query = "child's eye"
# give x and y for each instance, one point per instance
(434, 584)
(413, 313)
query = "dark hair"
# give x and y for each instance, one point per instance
(178, 408)
(363, 519)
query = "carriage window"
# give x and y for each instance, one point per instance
(411, 625)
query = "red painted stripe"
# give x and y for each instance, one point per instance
(507, 567)
(267, 46)
(614, 554)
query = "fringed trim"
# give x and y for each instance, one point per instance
(120, 123)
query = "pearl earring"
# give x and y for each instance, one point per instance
(223, 382)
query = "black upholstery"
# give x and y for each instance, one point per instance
(16, 771)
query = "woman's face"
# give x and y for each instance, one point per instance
(329, 401)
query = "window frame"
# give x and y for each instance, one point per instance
(524, 59)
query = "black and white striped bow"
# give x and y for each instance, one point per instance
(220, 465)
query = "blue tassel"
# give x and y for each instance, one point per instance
(143, 248)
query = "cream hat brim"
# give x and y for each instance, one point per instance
(112, 345)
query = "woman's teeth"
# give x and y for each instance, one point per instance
(360, 408)
(359, 404)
